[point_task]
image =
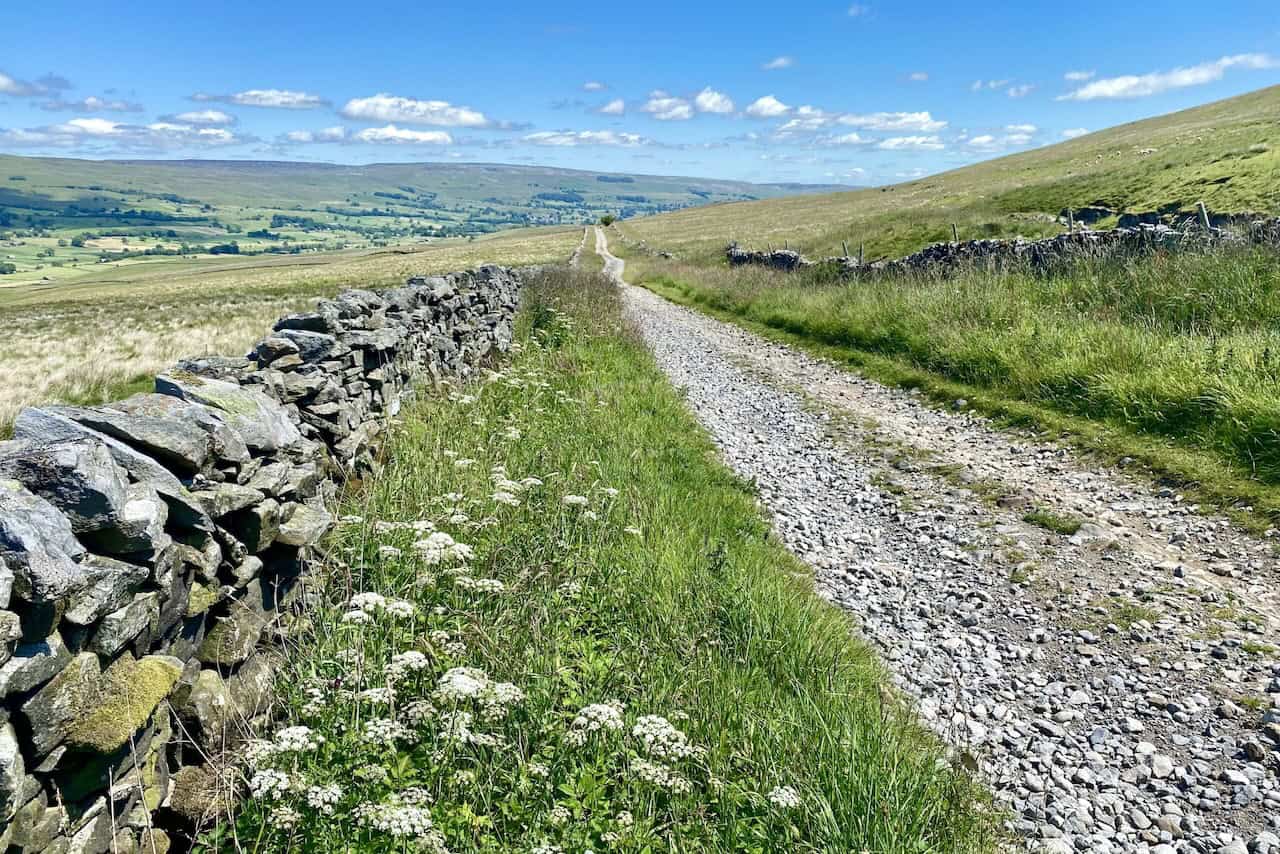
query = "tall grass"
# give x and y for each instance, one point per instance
(668, 597)
(1182, 347)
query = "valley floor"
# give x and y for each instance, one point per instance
(1103, 654)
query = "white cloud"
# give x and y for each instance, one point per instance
(91, 104)
(912, 143)
(986, 140)
(26, 88)
(91, 127)
(569, 139)
(1079, 76)
(283, 99)
(920, 121)
(667, 108)
(857, 10)
(849, 139)
(205, 117)
(1072, 133)
(393, 108)
(616, 107)
(912, 173)
(1024, 128)
(767, 107)
(918, 76)
(333, 134)
(1021, 91)
(1016, 139)
(711, 101)
(778, 63)
(979, 85)
(593, 86)
(403, 136)
(1144, 85)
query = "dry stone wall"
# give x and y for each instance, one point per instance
(1038, 254)
(151, 551)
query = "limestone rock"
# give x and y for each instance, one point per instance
(220, 499)
(37, 543)
(256, 526)
(46, 425)
(140, 527)
(16, 786)
(121, 626)
(110, 585)
(130, 692)
(232, 638)
(67, 698)
(77, 477)
(32, 664)
(261, 422)
(305, 526)
(169, 440)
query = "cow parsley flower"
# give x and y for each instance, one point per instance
(298, 739)
(661, 739)
(462, 683)
(597, 717)
(480, 585)
(464, 463)
(389, 552)
(382, 696)
(324, 798)
(419, 711)
(384, 731)
(404, 663)
(575, 500)
(285, 818)
(660, 775)
(560, 815)
(270, 784)
(506, 498)
(439, 547)
(784, 796)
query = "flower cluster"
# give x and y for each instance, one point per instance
(439, 547)
(661, 739)
(784, 796)
(597, 717)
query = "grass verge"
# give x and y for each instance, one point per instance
(566, 627)
(1194, 405)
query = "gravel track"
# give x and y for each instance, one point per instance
(1117, 687)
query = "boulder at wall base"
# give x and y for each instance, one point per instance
(46, 425)
(261, 422)
(16, 786)
(37, 543)
(78, 477)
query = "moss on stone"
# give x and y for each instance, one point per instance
(202, 599)
(130, 691)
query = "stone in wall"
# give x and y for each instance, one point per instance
(152, 552)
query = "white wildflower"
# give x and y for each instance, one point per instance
(404, 663)
(661, 739)
(388, 552)
(481, 585)
(597, 717)
(537, 769)
(324, 798)
(784, 796)
(419, 711)
(575, 500)
(298, 739)
(357, 617)
(370, 603)
(660, 775)
(285, 818)
(464, 463)
(384, 731)
(610, 491)
(269, 784)
(560, 815)
(506, 498)
(462, 683)
(379, 696)
(590, 515)
(625, 820)
(633, 530)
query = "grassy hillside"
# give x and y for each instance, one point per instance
(60, 216)
(96, 338)
(1226, 154)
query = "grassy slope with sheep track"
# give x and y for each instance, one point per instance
(669, 595)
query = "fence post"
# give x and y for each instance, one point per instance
(861, 246)
(1204, 216)
(844, 244)
(955, 233)
(1071, 221)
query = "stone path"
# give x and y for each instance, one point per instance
(1117, 687)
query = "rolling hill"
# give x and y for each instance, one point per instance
(1226, 154)
(56, 212)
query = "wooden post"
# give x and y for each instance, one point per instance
(861, 246)
(955, 233)
(1204, 216)
(845, 245)
(1071, 221)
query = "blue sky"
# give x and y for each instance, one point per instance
(867, 93)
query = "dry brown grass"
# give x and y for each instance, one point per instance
(97, 339)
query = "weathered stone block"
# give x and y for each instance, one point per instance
(140, 527)
(232, 638)
(110, 585)
(261, 422)
(304, 526)
(37, 543)
(221, 499)
(78, 477)
(120, 627)
(32, 664)
(256, 526)
(67, 698)
(130, 692)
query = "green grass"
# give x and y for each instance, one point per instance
(670, 597)
(1174, 360)
(1051, 521)
(1226, 154)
